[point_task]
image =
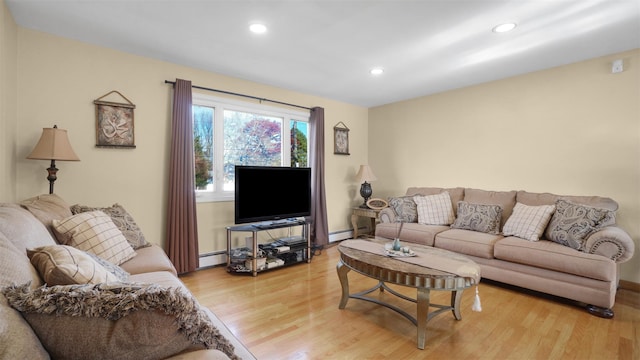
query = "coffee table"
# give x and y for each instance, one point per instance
(430, 269)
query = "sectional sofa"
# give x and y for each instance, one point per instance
(567, 246)
(78, 282)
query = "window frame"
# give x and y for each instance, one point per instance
(219, 105)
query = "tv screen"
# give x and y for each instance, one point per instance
(264, 193)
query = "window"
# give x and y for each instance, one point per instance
(228, 133)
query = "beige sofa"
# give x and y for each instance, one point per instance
(79, 306)
(581, 263)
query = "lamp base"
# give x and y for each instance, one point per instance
(52, 170)
(365, 192)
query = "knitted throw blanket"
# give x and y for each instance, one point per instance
(114, 301)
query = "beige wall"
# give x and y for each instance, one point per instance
(572, 130)
(58, 81)
(8, 110)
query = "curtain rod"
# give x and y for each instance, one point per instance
(242, 95)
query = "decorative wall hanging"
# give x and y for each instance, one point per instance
(341, 139)
(114, 122)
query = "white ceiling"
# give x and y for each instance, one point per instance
(326, 48)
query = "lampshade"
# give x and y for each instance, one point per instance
(365, 174)
(53, 145)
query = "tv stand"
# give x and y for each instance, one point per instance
(282, 252)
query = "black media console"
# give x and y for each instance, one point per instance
(266, 256)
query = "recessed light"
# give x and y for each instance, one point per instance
(376, 71)
(258, 28)
(504, 27)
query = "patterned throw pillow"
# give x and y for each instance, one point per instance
(95, 232)
(124, 321)
(572, 223)
(528, 222)
(66, 265)
(114, 269)
(434, 209)
(478, 217)
(123, 220)
(405, 209)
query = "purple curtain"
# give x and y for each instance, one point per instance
(182, 229)
(319, 226)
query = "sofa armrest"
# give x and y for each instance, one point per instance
(387, 215)
(611, 242)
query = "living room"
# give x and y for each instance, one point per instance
(570, 129)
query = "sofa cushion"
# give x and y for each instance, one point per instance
(405, 209)
(528, 222)
(456, 194)
(125, 321)
(478, 217)
(506, 200)
(529, 198)
(148, 259)
(411, 232)
(553, 256)
(16, 336)
(434, 209)
(66, 265)
(22, 229)
(467, 242)
(46, 208)
(123, 220)
(572, 223)
(95, 232)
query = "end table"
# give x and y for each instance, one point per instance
(363, 212)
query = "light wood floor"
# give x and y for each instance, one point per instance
(292, 313)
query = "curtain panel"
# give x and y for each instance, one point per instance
(182, 229)
(319, 226)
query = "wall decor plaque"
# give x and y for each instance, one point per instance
(114, 122)
(341, 139)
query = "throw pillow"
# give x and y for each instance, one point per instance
(434, 209)
(95, 232)
(405, 209)
(478, 217)
(572, 223)
(66, 265)
(123, 220)
(46, 208)
(114, 269)
(124, 321)
(528, 222)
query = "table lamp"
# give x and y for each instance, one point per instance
(364, 175)
(53, 145)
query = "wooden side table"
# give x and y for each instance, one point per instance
(363, 212)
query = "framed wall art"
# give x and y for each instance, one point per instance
(114, 122)
(341, 139)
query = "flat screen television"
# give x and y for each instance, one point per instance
(268, 193)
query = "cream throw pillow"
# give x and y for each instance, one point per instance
(66, 265)
(95, 232)
(435, 209)
(528, 222)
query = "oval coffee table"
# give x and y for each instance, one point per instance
(430, 269)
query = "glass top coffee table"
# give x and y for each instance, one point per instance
(428, 269)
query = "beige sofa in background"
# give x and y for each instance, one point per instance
(585, 271)
(167, 321)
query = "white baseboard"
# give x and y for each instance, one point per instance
(340, 235)
(212, 259)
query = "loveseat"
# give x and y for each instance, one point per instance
(78, 282)
(567, 246)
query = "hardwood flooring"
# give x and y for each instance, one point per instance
(292, 313)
